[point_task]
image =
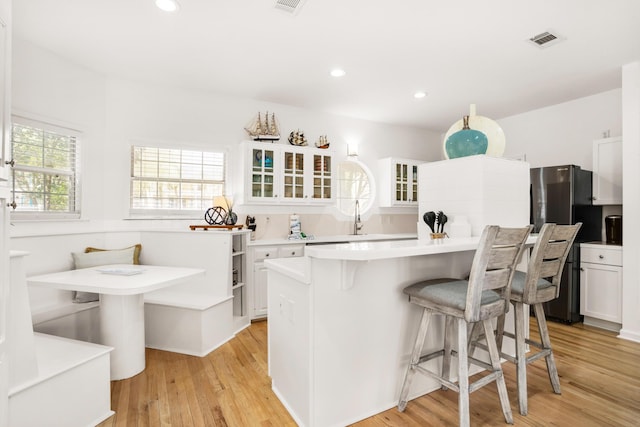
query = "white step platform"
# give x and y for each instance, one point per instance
(71, 388)
(189, 323)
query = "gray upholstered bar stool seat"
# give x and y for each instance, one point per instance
(540, 284)
(484, 296)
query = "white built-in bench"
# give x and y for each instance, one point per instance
(185, 322)
(192, 318)
(71, 388)
(53, 381)
(197, 317)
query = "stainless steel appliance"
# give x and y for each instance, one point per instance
(562, 195)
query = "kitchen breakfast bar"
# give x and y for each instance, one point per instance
(341, 330)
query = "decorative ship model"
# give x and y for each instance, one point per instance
(264, 131)
(297, 138)
(322, 142)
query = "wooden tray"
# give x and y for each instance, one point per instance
(217, 227)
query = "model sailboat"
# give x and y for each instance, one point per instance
(266, 130)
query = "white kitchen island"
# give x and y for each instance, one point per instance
(341, 330)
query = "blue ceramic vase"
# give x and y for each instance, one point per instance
(466, 142)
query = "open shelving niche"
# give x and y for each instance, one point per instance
(238, 276)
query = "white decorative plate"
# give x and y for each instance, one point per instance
(123, 271)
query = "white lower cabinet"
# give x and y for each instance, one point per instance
(257, 288)
(601, 285)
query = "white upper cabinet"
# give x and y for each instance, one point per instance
(398, 184)
(286, 174)
(607, 171)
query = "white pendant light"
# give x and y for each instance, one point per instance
(168, 5)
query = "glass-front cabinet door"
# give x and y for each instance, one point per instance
(398, 182)
(287, 174)
(402, 183)
(263, 177)
(293, 175)
(322, 177)
(406, 183)
(414, 183)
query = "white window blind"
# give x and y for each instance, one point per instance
(174, 180)
(45, 178)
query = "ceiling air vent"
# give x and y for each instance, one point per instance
(291, 6)
(545, 39)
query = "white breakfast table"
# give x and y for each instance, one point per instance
(121, 289)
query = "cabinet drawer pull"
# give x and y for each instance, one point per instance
(266, 255)
(293, 253)
(601, 256)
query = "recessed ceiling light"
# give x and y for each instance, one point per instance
(338, 72)
(168, 5)
(419, 94)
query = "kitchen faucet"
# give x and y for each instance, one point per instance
(357, 224)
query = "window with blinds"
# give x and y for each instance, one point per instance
(45, 177)
(169, 180)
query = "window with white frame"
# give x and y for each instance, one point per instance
(45, 179)
(175, 181)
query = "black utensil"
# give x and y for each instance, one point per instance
(443, 221)
(430, 219)
(438, 220)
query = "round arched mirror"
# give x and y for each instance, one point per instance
(355, 183)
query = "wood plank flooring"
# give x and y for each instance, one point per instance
(599, 376)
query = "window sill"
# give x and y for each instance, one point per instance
(20, 217)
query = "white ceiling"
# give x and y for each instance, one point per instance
(458, 51)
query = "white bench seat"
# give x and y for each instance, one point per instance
(187, 322)
(71, 387)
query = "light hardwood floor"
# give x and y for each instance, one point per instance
(599, 376)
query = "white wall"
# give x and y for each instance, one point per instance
(47, 88)
(564, 133)
(113, 114)
(631, 197)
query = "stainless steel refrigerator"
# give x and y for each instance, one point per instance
(562, 195)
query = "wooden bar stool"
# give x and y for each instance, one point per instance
(484, 296)
(540, 284)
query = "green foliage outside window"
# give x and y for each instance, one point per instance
(44, 176)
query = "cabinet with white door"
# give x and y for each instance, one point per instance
(5, 199)
(607, 171)
(257, 279)
(398, 184)
(601, 285)
(286, 174)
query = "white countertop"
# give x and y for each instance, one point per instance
(296, 268)
(337, 238)
(366, 251)
(299, 267)
(600, 245)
